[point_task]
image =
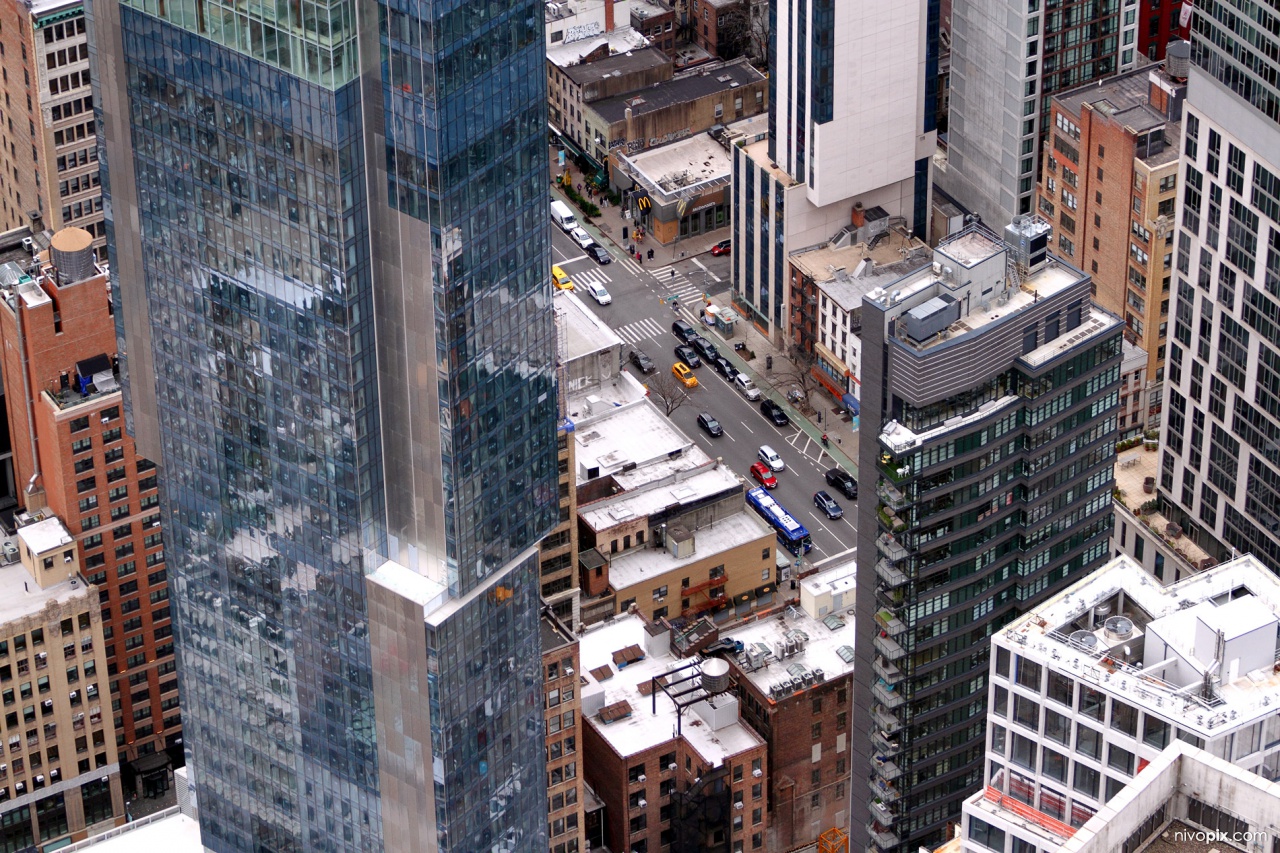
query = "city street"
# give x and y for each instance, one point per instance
(641, 317)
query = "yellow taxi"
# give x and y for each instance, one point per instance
(682, 372)
(560, 279)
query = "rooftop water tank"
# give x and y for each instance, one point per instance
(71, 251)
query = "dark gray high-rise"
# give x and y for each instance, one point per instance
(990, 394)
(329, 251)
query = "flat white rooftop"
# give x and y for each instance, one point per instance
(1177, 625)
(648, 499)
(170, 831)
(585, 333)
(20, 595)
(685, 164)
(644, 729)
(826, 640)
(620, 40)
(641, 564)
(636, 434)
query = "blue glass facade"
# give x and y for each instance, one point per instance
(254, 282)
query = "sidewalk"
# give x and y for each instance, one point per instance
(610, 223)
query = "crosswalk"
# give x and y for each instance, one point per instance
(634, 333)
(677, 285)
(591, 276)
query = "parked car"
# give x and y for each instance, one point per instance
(746, 387)
(560, 279)
(705, 348)
(710, 425)
(684, 331)
(774, 412)
(724, 247)
(582, 238)
(681, 371)
(827, 504)
(724, 367)
(770, 457)
(688, 356)
(843, 480)
(642, 362)
(598, 293)
(763, 475)
(600, 254)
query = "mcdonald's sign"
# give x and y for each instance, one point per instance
(643, 203)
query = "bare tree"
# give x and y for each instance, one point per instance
(668, 391)
(733, 33)
(795, 381)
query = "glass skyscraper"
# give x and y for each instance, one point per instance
(328, 250)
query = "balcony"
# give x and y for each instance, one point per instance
(890, 519)
(884, 814)
(890, 548)
(886, 721)
(885, 746)
(887, 696)
(882, 836)
(889, 648)
(887, 672)
(889, 495)
(890, 574)
(894, 472)
(887, 771)
(892, 625)
(884, 791)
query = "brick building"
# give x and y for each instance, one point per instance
(686, 778)
(794, 678)
(48, 146)
(72, 454)
(1109, 188)
(563, 717)
(59, 772)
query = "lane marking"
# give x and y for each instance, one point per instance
(714, 277)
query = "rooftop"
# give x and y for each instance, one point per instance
(643, 564)
(1158, 654)
(585, 333)
(1098, 323)
(169, 830)
(21, 596)
(40, 8)
(1126, 99)
(843, 276)
(696, 162)
(779, 649)
(620, 40)
(1133, 467)
(617, 65)
(683, 487)
(643, 729)
(685, 87)
(759, 152)
(553, 633)
(635, 434)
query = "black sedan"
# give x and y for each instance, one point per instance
(710, 425)
(724, 367)
(600, 254)
(828, 505)
(705, 348)
(688, 356)
(641, 361)
(774, 413)
(840, 479)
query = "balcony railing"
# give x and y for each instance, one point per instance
(890, 574)
(891, 548)
(890, 623)
(887, 672)
(886, 746)
(890, 496)
(882, 836)
(883, 790)
(886, 721)
(886, 696)
(889, 648)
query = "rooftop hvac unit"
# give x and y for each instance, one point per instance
(819, 676)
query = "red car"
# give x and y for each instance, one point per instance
(761, 472)
(724, 247)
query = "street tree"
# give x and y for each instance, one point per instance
(667, 391)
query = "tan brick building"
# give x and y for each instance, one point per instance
(48, 144)
(563, 718)
(72, 454)
(1109, 187)
(59, 772)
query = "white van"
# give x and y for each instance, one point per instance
(746, 387)
(563, 216)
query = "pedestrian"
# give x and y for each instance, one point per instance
(673, 274)
(825, 443)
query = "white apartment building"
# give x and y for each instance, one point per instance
(1089, 688)
(847, 127)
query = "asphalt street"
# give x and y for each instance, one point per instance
(641, 315)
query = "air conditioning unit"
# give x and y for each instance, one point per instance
(757, 773)
(737, 805)
(568, 670)
(642, 778)
(643, 804)
(672, 767)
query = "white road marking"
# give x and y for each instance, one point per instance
(640, 330)
(571, 260)
(714, 277)
(748, 429)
